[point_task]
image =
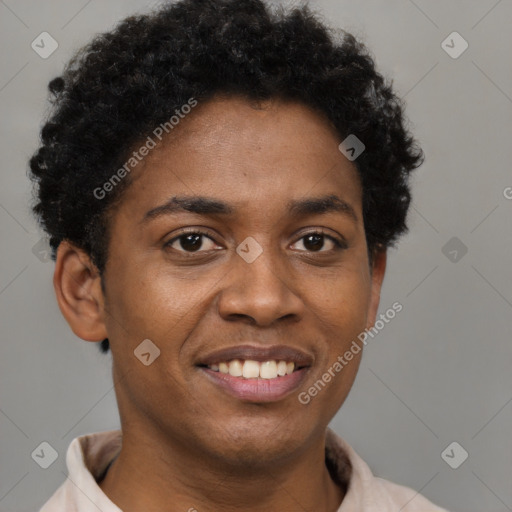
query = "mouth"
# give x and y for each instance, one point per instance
(257, 374)
(250, 369)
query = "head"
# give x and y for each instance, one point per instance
(245, 109)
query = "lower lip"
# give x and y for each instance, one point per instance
(257, 390)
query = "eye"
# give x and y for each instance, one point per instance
(191, 241)
(315, 242)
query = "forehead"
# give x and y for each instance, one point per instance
(253, 154)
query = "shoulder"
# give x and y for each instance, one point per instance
(364, 491)
(405, 498)
(86, 459)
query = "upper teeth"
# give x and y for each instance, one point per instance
(253, 369)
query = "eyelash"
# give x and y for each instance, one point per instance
(339, 245)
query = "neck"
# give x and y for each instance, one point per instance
(158, 475)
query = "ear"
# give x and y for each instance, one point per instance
(77, 285)
(377, 277)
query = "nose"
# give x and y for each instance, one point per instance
(261, 292)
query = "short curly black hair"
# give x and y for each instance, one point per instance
(125, 82)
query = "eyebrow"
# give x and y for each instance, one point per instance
(210, 207)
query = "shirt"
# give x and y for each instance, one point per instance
(88, 458)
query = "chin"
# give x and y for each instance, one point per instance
(249, 444)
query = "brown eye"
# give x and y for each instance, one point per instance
(315, 242)
(191, 242)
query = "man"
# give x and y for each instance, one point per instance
(220, 184)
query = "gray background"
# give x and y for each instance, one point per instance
(438, 373)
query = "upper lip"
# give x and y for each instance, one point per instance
(258, 353)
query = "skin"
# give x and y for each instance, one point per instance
(186, 443)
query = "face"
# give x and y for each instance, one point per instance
(259, 263)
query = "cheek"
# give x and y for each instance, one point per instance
(149, 302)
(343, 302)
(327, 392)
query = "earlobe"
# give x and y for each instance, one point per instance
(77, 285)
(377, 278)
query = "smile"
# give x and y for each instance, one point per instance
(256, 373)
(256, 388)
(250, 369)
